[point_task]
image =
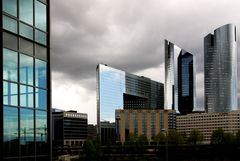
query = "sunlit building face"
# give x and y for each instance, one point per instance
(25, 66)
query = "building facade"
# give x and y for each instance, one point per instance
(147, 122)
(206, 123)
(26, 81)
(179, 90)
(220, 68)
(69, 128)
(119, 89)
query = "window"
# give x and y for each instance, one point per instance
(40, 37)
(26, 11)
(10, 94)
(26, 69)
(26, 96)
(41, 98)
(26, 31)
(40, 52)
(10, 7)
(40, 15)
(25, 46)
(41, 132)
(10, 41)
(10, 65)
(9, 24)
(40, 73)
(10, 131)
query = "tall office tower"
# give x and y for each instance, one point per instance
(220, 68)
(118, 89)
(179, 93)
(25, 111)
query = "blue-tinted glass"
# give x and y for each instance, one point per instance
(26, 31)
(9, 24)
(26, 96)
(26, 11)
(41, 98)
(40, 15)
(135, 117)
(41, 132)
(26, 131)
(10, 94)
(10, 65)
(40, 73)
(40, 37)
(10, 131)
(26, 69)
(10, 6)
(144, 123)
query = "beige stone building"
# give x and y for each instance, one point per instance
(143, 122)
(206, 123)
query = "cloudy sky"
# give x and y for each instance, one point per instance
(128, 35)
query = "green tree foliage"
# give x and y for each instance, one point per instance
(237, 137)
(217, 136)
(195, 136)
(92, 150)
(159, 138)
(173, 137)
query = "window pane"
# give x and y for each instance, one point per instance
(26, 96)
(10, 131)
(41, 132)
(26, 69)
(26, 31)
(10, 65)
(41, 98)
(10, 41)
(40, 52)
(25, 46)
(26, 11)
(9, 24)
(26, 132)
(40, 15)
(10, 6)
(40, 37)
(10, 93)
(40, 73)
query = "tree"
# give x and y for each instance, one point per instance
(159, 138)
(229, 138)
(92, 150)
(195, 136)
(173, 137)
(217, 136)
(237, 137)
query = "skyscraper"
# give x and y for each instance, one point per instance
(179, 92)
(25, 111)
(118, 89)
(220, 68)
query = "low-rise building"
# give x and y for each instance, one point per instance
(206, 123)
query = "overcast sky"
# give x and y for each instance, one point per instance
(128, 35)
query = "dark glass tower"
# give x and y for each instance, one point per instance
(220, 70)
(185, 83)
(25, 111)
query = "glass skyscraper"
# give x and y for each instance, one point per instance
(179, 92)
(220, 68)
(118, 89)
(25, 73)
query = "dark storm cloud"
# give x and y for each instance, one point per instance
(130, 34)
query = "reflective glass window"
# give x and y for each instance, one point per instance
(26, 69)
(10, 6)
(40, 37)
(40, 15)
(41, 132)
(40, 73)
(25, 46)
(26, 11)
(10, 65)
(10, 93)
(26, 96)
(26, 31)
(40, 52)
(9, 24)
(41, 98)
(10, 41)
(26, 131)
(10, 131)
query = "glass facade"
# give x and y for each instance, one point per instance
(175, 84)
(25, 87)
(220, 70)
(117, 89)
